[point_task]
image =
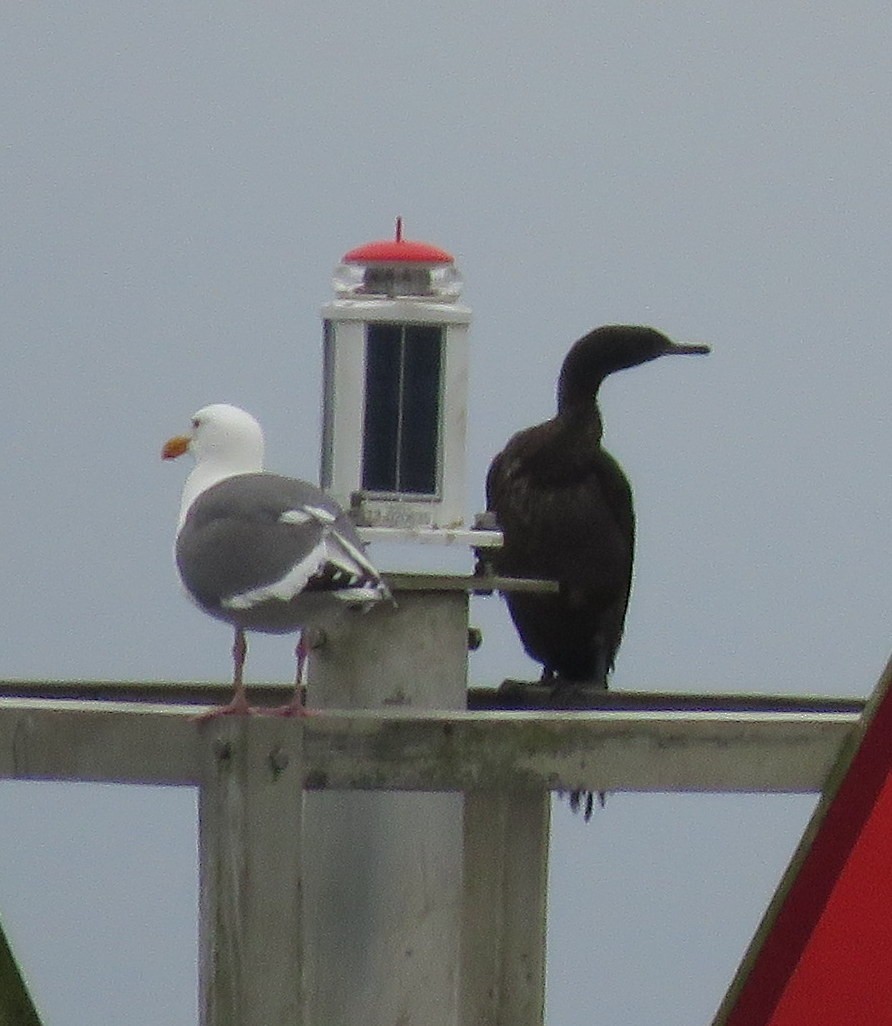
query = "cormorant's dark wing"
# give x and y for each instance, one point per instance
(618, 497)
(565, 511)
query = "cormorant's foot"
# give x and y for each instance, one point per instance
(575, 694)
(550, 692)
(519, 688)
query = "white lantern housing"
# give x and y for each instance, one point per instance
(395, 373)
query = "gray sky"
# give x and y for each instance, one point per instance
(178, 181)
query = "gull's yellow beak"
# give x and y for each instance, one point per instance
(175, 446)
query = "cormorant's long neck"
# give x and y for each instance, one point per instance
(596, 355)
(572, 398)
(581, 427)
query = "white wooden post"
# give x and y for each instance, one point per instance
(505, 911)
(383, 871)
(250, 853)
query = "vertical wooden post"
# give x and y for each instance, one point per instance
(250, 841)
(505, 906)
(384, 870)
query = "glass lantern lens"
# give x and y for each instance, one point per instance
(402, 408)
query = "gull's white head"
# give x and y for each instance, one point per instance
(224, 441)
(223, 433)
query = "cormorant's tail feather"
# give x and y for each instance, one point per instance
(585, 800)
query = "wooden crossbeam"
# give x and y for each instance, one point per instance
(511, 694)
(633, 750)
(252, 771)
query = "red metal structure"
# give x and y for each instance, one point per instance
(823, 953)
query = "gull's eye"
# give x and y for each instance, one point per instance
(195, 422)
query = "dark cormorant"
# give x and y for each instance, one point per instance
(565, 509)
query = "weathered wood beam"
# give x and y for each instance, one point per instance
(511, 694)
(104, 742)
(525, 695)
(431, 751)
(589, 751)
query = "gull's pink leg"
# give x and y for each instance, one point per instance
(296, 706)
(239, 704)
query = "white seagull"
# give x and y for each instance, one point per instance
(261, 551)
